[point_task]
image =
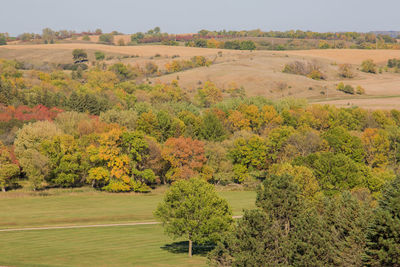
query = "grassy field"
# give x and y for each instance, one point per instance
(141, 245)
(145, 245)
(71, 207)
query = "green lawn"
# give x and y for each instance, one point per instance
(79, 208)
(109, 246)
(144, 245)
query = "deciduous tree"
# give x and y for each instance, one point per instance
(9, 171)
(185, 156)
(192, 209)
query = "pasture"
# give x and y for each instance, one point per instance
(139, 245)
(62, 207)
(145, 245)
(259, 72)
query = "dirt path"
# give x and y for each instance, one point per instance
(86, 226)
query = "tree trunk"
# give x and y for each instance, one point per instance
(190, 248)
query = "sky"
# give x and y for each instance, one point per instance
(189, 16)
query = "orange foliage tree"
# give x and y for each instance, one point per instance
(185, 156)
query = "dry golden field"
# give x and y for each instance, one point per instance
(351, 56)
(259, 72)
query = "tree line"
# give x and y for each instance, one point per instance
(103, 128)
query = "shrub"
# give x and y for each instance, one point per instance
(121, 42)
(316, 75)
(348, 89)
(323, 44)
(232, 45)
(99, 55)
(360, 90)
(79, 55)
(345, 71)
(170, 42)
(310, 70)
(74, 67)
(368, 66)
(151, 68)
(106, 38)
(200, 43)
(392, 63)
(86, 38)
(247, 45)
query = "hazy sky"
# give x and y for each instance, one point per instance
(179, 16)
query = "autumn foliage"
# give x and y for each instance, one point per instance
(186, 157)
(25, 113)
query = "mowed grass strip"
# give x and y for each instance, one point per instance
(85, 208)
(144, 245)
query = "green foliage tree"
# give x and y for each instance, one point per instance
(122, 71)
(247, 45)
(336, 172)
(136, 147)
(200, 43)
(27, 149)
(193, 209)
(232, 45)
(248, 154)
(164, 128)
(3, 39)
(135, 38)
(348, 89)
(67, 163)
(383, 246)
(276, 234)
(341, 141)
(212, 129)
(107, 38)
(79, 55)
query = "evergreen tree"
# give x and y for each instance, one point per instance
(383, 247)
(284, 231)
(347, 221)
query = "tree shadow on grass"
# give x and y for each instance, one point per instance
(183, 246)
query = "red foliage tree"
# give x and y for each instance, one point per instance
(25, 113)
